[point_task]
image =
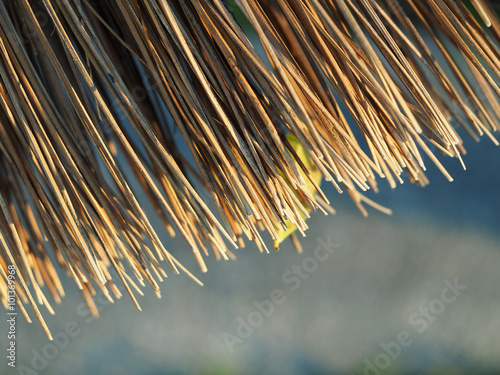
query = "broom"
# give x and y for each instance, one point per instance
(99, 101)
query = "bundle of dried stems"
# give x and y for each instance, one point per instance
(91, 91)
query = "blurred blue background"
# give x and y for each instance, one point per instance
(351, 313)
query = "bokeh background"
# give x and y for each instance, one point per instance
(338, 320)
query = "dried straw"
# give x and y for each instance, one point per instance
(91, 92)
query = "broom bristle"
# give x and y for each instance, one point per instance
(91, 92)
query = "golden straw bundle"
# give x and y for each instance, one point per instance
(91, 92)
